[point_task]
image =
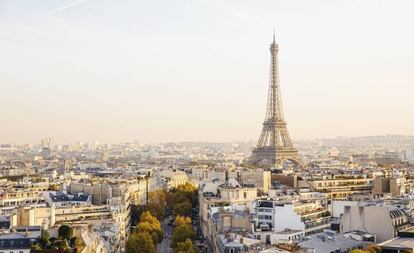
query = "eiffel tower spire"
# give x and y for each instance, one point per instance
(274, 145)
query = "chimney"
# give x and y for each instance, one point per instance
(227, 178)
(239, 177)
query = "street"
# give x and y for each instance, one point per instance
(164, 246)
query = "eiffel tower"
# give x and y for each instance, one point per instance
(274, 145)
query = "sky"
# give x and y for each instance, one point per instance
(197, 70)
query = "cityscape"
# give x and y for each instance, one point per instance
(281, 191)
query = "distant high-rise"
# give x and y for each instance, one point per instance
(46, 147)
(274, 145)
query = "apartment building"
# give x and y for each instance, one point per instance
(380, 220)
(218, 193)
(339, 187)
(275, 221)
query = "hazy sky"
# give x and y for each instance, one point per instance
(193, 70)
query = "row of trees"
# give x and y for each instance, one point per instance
(183, 236)
(182, 200)
(369, 249)
(179, 201)
(146, 236)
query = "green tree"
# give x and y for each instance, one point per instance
(36, 246)
(60, 244)
(45, 240)
(140, 243)
(183, 208)
(185, 247)
(182, 233)
(65, 231)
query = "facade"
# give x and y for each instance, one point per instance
(279, 221)
(218, 193)
(173, 178)
(395, 186)
(339, 187)
(18, 242)
(382, 221)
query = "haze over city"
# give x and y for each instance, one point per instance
(159, 71)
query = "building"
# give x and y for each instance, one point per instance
(276, 221)
(339, 187)
(404, 242)
(234, 243)
(14, 241)
(218, 193)
(329, 241)
(382, 221)
(396, 186)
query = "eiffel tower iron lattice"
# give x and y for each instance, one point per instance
(274, 145)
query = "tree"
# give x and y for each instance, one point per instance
(185, 247)
(65, 231)
(149, 224)
(374, 249)
(36, 246)
(182, 233)
(182, 221)
(147, 217)
(183, 208)
(140, 243)
(157, 203)
(45, 240)
(77, 244)
(61, 245)
(185, 193)
(136, 212)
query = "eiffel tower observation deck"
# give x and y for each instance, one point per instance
(274, 146)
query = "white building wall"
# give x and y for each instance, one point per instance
(337, 207)
(286, 218)
(372, 219)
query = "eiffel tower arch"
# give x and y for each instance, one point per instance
(274, 145)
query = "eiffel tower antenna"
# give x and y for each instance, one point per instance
(274, 145)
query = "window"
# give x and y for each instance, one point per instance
(245, 195)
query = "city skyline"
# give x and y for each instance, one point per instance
(93, 70)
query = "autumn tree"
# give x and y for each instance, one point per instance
(157, 203)
(149, 224)
(182, 233)
(182, 221)
(140, 243)
(183, 208)
(185, 247)
(374, 249)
